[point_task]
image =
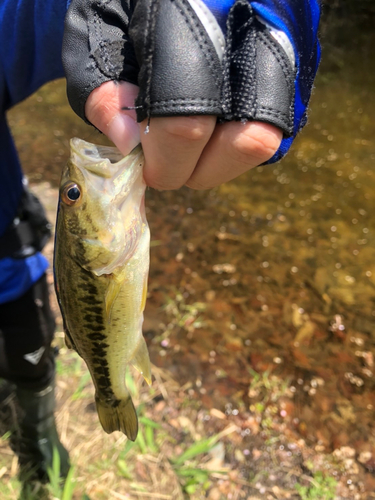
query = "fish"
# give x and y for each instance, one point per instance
(101, 265)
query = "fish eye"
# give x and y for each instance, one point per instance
(71, 193)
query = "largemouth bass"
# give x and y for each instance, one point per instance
(101, 264)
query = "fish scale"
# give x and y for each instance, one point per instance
(101, 263)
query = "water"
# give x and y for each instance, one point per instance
(272, 273)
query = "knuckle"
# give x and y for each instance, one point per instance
(101, 106)
(162, 186)
(161, 183)
(106, 101)
(198, 186)
(189, 128)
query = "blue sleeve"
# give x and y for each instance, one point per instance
(31, 34)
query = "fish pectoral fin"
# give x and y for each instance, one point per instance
(141, 361)
(144, 295)
(113, 289)
(119, 415)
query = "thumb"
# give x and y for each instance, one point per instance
(104, 109)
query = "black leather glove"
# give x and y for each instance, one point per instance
(175, 50)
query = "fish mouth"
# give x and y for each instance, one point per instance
(94, 152)
(103, 161)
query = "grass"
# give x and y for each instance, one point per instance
(181, 314)
(166, 461)
(181, 453)
(267, 391)
(60, 490)
(267, 388)
(321, 487)
(192, 474)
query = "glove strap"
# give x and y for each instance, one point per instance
(258, 74)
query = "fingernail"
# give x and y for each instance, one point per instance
(123, 131)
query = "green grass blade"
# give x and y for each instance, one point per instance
(54, 473)
(128, 446)
(82, 384)
(203, 446)
(149, 422)
(69, 485)
(150, 441)
(124, 469)
(141, 442)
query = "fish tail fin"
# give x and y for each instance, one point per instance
(118, 415)
(141, 360)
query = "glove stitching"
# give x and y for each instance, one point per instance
(270, 112)
(148, 52)
(200, 35)
(245, 98)
(209, 105)
(176, 102)
(239, 61)
(226, 88)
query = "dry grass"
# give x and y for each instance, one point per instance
(110, 467)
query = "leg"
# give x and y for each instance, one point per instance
(27, 361)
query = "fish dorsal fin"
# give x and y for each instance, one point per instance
(141, 360)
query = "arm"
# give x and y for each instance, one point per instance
(30, 55)
(31, 40)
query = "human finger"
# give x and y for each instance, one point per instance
(172, 148)
(234, 148)
(105, 110)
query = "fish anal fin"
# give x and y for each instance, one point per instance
(68, 342)
(141, 360)
(118, 415)
(68, 339)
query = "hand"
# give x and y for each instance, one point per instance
(192, 150)
(173, 49)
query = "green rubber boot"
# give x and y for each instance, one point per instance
(35, 436)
